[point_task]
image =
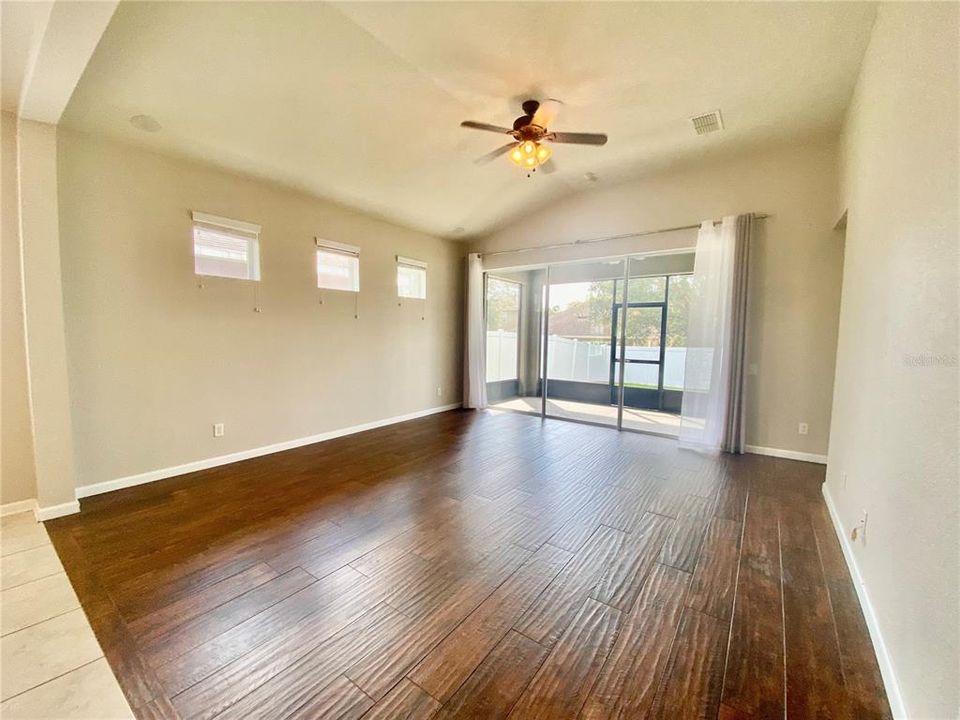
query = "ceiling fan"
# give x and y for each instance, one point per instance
(531, 132)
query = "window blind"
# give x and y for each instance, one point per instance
(225, 248)
(338, 266)
(411, 278)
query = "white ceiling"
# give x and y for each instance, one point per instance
(45, 47)
(361, 102)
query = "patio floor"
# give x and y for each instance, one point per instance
(633, 419)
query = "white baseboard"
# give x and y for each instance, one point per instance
(162, 473)
(18, 507)
(54, 511)
(787, 454)
(890, 682)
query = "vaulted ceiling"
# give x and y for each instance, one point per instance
(361, 102)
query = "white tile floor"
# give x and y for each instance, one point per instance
(51, 665)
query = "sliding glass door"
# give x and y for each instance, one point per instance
(679, 290)
(514, 330)
(583, 379)
(503, 338)
(600, 341)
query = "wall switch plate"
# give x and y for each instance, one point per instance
(803, 428)
(859, 531)
(439, 391)
(218, 430)
(752, 369)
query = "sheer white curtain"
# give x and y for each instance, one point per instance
(706, 387)
(474, 356)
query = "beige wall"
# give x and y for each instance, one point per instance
(796, 266)
(155, 360)
(893, 449)
(44, 317)
(17, 480)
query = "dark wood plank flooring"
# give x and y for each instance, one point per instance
(477, 565)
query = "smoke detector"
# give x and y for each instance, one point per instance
(707, 123)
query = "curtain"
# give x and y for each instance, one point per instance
(474, 358)
(735, 421)
(706, 386)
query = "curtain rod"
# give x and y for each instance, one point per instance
(591, 241)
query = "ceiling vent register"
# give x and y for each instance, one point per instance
(707, 123)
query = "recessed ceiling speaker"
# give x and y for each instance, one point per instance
(145, 123)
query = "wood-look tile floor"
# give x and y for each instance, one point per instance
(472, 565)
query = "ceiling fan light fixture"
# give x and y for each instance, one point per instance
(530, 155)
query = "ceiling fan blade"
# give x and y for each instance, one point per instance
(484, 126)
(546, 113)
(579, 138)
(502, 150)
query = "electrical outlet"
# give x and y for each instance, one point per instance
(803, 428)
(218, 430)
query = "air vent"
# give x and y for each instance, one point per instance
(707, 123)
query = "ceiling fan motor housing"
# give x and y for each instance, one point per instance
(530, 108)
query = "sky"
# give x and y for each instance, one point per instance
(562, 295)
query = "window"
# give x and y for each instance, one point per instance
(411, 278)
(678, 313)
(646, 289)
(338, 266)
(225, 248)
(503, 329)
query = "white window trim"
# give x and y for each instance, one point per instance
(227, 223)
(332, 246)
(410, 262)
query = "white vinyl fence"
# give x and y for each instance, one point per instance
(502, 358)
(583, 361)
